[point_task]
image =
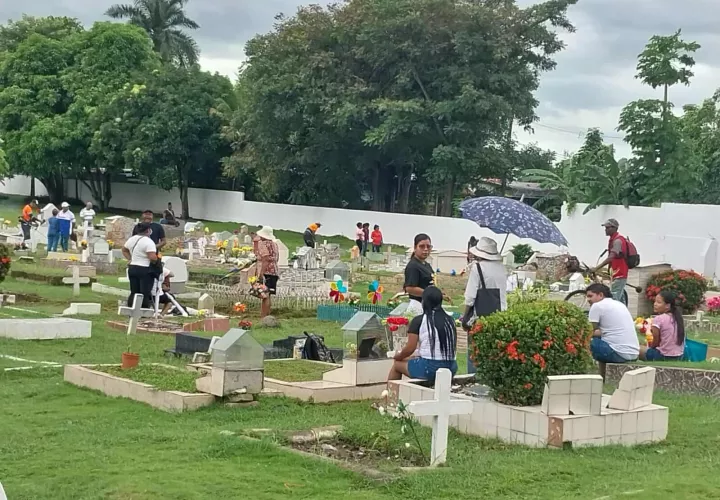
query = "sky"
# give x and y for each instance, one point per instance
(593, 80)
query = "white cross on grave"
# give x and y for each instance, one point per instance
(76, 280)
(135, 313)
(440, 410)
(191, 250)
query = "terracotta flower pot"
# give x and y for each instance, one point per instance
(129, 360)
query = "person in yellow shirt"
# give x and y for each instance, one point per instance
(27, 218)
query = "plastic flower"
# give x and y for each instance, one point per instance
(338, 291)
(110, 243)
(252, 279)
(384, 394)
(239, 307)
(381, 410)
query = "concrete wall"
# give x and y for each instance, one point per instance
(682, 235)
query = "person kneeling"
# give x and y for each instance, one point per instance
(614, 338)
(435, 330)
(668, 331)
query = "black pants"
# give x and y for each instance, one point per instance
(376, 248)
(141, 281)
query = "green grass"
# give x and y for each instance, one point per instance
(297, 370)
(161, 377)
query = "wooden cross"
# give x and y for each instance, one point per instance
(135, 313)
(440, 410)
(76, 280)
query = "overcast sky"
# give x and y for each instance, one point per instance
(593, 81)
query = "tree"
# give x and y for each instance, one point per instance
(57, 28)
(164, 21)
(173, 126)
(4, 166)
(376, 102)
(664, 165)
(592, 176)
(701, 133)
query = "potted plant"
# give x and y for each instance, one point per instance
(129, 359)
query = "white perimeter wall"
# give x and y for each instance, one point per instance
(682, 235)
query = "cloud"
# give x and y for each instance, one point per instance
(593, 80)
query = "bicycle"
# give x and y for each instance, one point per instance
(579, 298)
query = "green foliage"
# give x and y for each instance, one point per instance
(591, 176)
(389, 101)
(516, 350)
(701, 134)
(163, 20)
(522, 252)
(519, 296)
(666, 61)
(688, 286)
(6, 253)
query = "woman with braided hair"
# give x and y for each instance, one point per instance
(434, 330)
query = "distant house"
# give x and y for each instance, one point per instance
(516, 189)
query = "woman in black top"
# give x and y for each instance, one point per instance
(419, 274)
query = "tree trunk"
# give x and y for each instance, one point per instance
(184, 184)
(99, 185)
(378, 198)
(405, 184)
(55, 187)
(32, 187)
(448, 193)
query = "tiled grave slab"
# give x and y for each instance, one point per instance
(531, 427)
(171, 401)
(45, 328)
(677, 380)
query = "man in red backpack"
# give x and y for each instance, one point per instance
(617, 258)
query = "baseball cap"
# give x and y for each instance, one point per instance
(611, 223)
(65, 204)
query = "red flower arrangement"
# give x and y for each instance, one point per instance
(245, 324)
(6, 252)
(688, 286)
(395, 322)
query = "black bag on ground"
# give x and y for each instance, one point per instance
(315, 350)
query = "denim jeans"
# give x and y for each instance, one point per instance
(64, 240)
(601, 351)
(52, 242)
(617, 287)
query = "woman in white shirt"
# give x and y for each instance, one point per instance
(141, 252)
(435, 331)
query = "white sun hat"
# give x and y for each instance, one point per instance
(486, 249)
(266, 233)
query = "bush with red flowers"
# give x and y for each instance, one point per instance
(6, 253)
(516, 350)
(688, 286)
(395, 322)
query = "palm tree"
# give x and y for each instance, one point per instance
(163, 20)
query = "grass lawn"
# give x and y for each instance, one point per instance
(297, 370)
(161, 377)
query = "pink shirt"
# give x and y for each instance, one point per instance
(359, 234)
(668, 335)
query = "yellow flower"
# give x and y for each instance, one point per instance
(252, 279)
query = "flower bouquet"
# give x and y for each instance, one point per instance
(713, 305)
(245, 324)
(644, 326)
(258, 289)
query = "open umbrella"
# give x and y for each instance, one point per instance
(505, 215)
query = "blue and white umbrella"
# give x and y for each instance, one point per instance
(508, 216)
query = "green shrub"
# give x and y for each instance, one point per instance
(522, 253)
(689, 286)
(6, 253)
(515, 350)
(519, 296)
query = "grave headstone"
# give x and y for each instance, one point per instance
(243, 230)
(85, 271)
(76, 280)
(338, 268)
(6, 299)
(101, 248)
(283, 254)
(47, 210)
(179, 269)
(38, 236)
(440, 409)
(247, 239)
(206, 302)
(223, 235)
(135, 313)
(119, 228)
(191, 250)
(87, 308)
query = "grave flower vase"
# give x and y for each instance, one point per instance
(129, 360)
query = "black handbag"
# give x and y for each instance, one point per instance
(487, 300)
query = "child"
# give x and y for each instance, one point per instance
(668, 330)
(377, 239)
(53, 234)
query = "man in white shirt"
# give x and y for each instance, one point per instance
(614, 337)
(66, 224)
(87, 215)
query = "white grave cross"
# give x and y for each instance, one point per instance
(440, 410)
(135, 313)
(76, 280)
(190, 250)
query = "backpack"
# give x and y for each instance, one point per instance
(315, 350)
(632, 257)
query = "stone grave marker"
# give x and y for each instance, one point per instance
(190, 250)
(87, 308)
(283, 254)
(440, 409)
(38, 236)
(243, 230)
(207, 303)
(85, 271)
(247, 240)
(76, 280)
(101, 248)
(119, 228)
(179, 269)
(47, 210)
(223, 235)
(6, 299)
(135, 313)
